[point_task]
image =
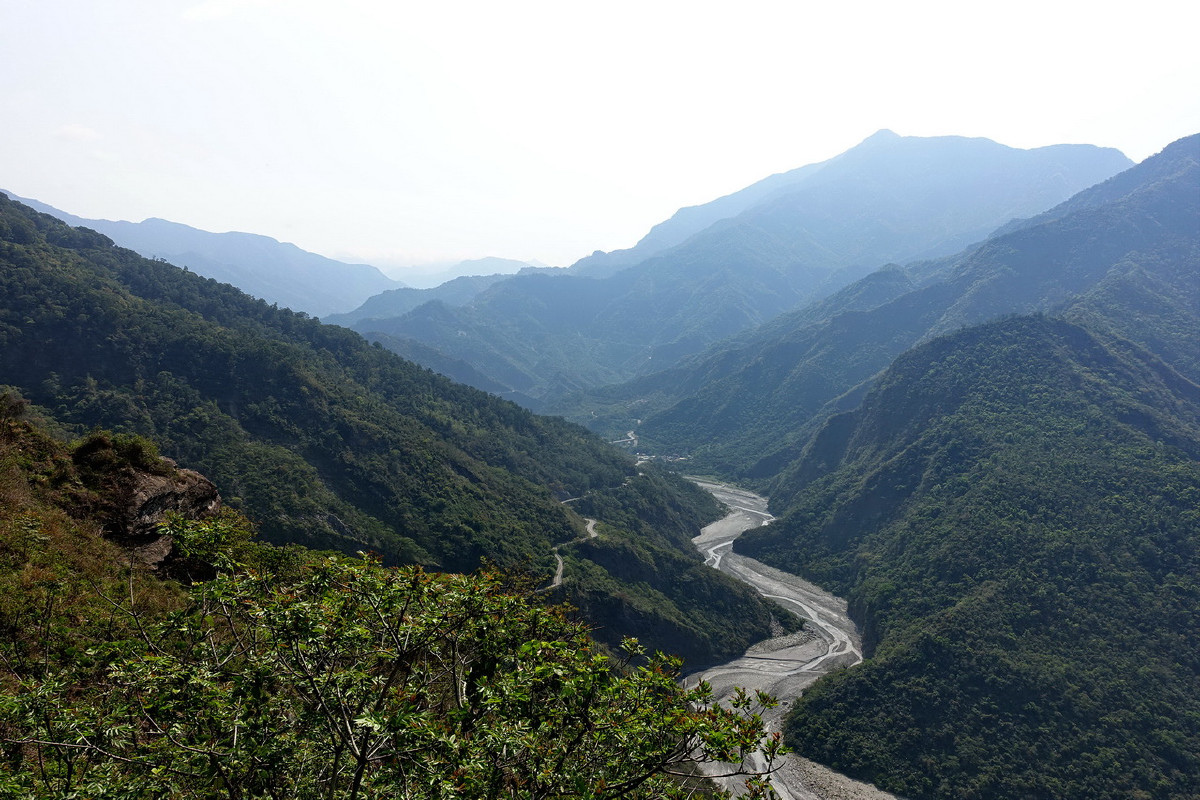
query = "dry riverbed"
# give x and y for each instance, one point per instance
(786, 665)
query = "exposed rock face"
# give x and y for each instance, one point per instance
(130, 489)
(141, 503)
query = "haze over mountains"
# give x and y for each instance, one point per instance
(281, 273)
(745, 405)
(394, 302)
(968, 376)
(326, 441)
(886, 161)
(274, 271)
(715, 270)
(430, 277)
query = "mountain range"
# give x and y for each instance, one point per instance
(274, 271)
(399, 301)
(1009, 505)
(747, 404)
(324, 440)
(431, 276)
(718, 269)
(973, 398)
(995, 456)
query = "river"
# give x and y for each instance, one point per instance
(784, 666)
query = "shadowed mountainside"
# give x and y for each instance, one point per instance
(747, 406)
(327, 441)
(744, 259)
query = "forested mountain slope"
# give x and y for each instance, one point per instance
(277, 272)
(1013, 515)
(394, 302)
(789, 241)
(230, 668)
(854, 176)
(745, 408)
(327, 441)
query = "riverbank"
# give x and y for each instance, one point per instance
(786, 665)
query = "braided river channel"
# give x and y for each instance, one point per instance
(786, 665)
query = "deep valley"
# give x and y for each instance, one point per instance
(967, 376)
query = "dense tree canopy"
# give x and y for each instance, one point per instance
(291, 674)
(1012, 515)
(356, 681)
(327, 441)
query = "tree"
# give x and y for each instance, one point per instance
(356, 681)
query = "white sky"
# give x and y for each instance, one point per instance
(403, 132)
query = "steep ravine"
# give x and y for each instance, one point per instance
(786, 665)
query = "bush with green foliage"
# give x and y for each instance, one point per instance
(292, 674)
(357, 681)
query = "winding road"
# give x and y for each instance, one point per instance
(786, 665)
(556, 581)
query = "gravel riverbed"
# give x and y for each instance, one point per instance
(783, 666)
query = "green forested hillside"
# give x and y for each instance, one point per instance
(1010, 509)
(287, 673)
(318, 437)
(1013, 516)
(746, 407)
(746, 258)
(277, 272)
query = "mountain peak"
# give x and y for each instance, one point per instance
(882, 135)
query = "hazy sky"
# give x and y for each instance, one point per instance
(408, 132)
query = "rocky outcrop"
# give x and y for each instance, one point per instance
(140, 508)
(131, 489)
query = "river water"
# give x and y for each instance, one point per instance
(784, 666)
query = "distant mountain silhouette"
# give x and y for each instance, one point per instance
(431, 277)
(747, 404)
(791, 239)
(902, 154)
(396, 302)
(689, 221)
(274, 271)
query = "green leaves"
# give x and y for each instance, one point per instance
(359, 681)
